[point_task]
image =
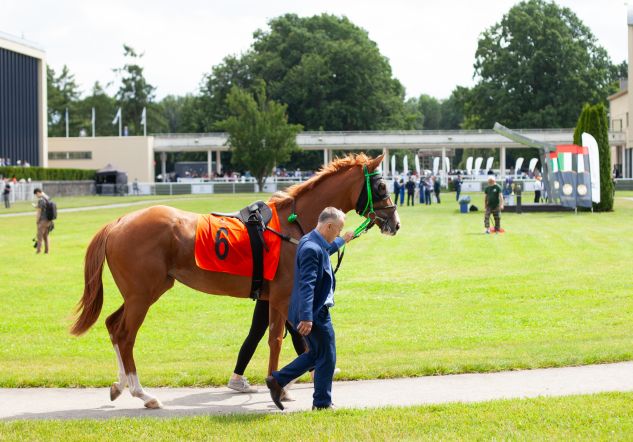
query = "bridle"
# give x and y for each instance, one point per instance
(374, 190)
(367, 198)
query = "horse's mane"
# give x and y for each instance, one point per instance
(284, 198)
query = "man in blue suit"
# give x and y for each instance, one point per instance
(309, 312)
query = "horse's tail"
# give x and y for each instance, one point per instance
(89, 306)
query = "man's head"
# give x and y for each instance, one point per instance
(491, 180)
(331, 222)
(37, 192)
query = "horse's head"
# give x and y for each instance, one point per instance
(374, 201)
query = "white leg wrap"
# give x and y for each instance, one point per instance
(137, 391)
(122, 383)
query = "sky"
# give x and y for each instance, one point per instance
(430, 44)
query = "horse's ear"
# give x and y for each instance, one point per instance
(375, 163)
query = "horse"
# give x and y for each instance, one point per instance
(163, 252)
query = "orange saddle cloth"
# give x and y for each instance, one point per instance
(223, 245)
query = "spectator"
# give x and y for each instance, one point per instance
(44, 225)
(396, 191)
(401, 192)
(436, 188)
(410, 191)
(428, 189)
(135, 189)
(538, 186)
(421, 190)
(458, 186)
(6, 194)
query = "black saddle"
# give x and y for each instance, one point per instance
(255, 217)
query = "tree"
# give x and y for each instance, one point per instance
(135, 93)
(325, 68)
(105, 108)
(258, 131)
(593, 120)
(431, 108)
(62, 94)
(413, 117)
(536, 68)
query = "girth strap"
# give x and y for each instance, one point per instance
(255, 217)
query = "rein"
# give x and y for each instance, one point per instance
(368, 212)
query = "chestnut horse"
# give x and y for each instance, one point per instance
(163, 251)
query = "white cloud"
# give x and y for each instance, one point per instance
(430, 45)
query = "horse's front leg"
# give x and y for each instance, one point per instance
(277, 322)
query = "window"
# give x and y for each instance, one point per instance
(70, 155)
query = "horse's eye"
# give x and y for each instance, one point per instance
(382, 186)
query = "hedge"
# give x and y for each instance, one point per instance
(47, 174)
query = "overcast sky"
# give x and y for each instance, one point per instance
(430, 44)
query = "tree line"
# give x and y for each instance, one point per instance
(536, 68)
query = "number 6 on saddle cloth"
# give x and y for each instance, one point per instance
(245, 243)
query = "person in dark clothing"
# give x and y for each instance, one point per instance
(428, 188)
(458, 187)
(401, 192)
(396, 191)
(259, 325)
(6, 193)
(410, 191)
(436, 188)
(493, 202)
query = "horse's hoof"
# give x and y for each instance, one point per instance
(114, 392)
(153, 404)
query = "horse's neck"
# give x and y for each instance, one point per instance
(337, 191)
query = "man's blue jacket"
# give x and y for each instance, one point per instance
(313, 276)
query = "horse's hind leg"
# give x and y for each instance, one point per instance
(112, 323)
(135, 308)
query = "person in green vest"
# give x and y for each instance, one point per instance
(493, 202)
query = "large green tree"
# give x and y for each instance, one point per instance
(258, 131)
(105, 108)
(325, 68)
(536, 68)
(593, 120)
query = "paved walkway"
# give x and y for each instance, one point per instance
(75, 403)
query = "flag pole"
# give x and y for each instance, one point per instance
(66, 122)
(120, 121)
(93, 122)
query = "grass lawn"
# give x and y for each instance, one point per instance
(594, 417)
(440, 297)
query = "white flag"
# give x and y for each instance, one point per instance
(117, 117)
(144, 117)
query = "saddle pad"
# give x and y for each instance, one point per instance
(223, 245)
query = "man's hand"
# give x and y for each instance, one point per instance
(304, 328)
(348, 236)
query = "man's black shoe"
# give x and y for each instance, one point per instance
(329, 407)
(275, 391)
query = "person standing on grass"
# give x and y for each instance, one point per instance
(309, 313)
(401, 187)
(436, 188)
(6, 194)
(42, 221)
(428, 188)
(410, 191)
(396, 191)
(493, 202)
(538, 186)
(458, 186)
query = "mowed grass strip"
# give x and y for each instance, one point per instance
(440, 297)
(592, 417)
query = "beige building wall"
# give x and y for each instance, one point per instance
(134, 155)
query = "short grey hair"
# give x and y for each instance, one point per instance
(331, 213)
